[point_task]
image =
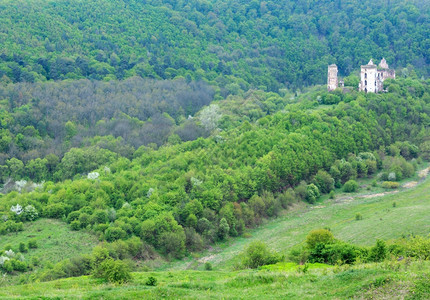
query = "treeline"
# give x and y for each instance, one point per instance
(235, 45)
(185, 196)
(321, 246)
(42, 121)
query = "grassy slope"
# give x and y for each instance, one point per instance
(55, 240)
(364, 281)
(380, 220)
(390, 280)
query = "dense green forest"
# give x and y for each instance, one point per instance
(185, 195)
(235, 45)
(45, 120)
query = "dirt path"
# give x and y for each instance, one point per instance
(424, 173)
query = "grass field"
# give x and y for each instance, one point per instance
(395, 280)
(411, 215)
(55, 240)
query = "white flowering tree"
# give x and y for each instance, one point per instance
(93, 175)
(17, 209)
(210, 117)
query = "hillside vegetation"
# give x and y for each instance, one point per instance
(183, 197)
(232, 44)
(168, 135)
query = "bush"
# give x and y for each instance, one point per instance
(301, 190)
(337, 253)
(324, 181)
(358, 217)
(22, 248)
(32, 244)
(151, 281)
(173, 243)
(114, 233)
(75, 225)
(390, 185)
(350, 186)
(115, 271)
(287, 198)
(312, 193)
(331, 195)
(208, 266)
(319, 236)
(378, 252)
(257, 254)
(223, 229)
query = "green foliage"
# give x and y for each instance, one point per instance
(32, 244)
(223, 229)
(358, 217)
(378, 252)
(312, 193)
(319, 236)
(257, 254)
(350, 186)
(208, 266)
(151, 281)
(114, 271)
(22, 248)
(324, 181)
(390, 185)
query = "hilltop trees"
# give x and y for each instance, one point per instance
(235, 45)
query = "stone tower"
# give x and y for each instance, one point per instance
(368, 78)
(332, 81)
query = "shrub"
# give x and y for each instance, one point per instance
(287, 198)
(114, 233)
(378, 252)
(358, 217)
(173, 243)
(22, 248)
(337, 253)
(223, 229)
(257, 254)
(19, 266)
(319, 236)
(301, 190)
(331, 195)
(324, 181)
(151, 281)
(350, 186)
(193, 240)
(115, 271)
(75, 225)
(32, 244)
(390, 185)
(312, 193)
(208, 266)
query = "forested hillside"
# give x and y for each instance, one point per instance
(187, 195)
(47, 119)
(136, 132)
(232, 44)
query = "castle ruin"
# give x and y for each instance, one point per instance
(371, 77)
